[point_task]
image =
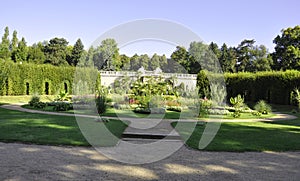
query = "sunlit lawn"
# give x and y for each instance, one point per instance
(248, 136)
(18, 126)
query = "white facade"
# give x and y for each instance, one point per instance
(189, 80)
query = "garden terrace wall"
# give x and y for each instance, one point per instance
(274, 87)
(28, 79)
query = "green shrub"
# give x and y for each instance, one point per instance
(256, 113)
(218, 112)
(238, 104)
(40, 105)
(174, 108)
(204, 106)
(34, 100)
(295, 95)
(262, 107)
(63, 96)
(27, 78)
(142, 110)
(62, 106)
(273, 86)
(101, 104)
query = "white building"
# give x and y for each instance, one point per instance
(189, 80)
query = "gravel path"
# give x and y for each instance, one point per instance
(35, 162)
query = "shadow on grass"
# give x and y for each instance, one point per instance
(18, 126)
(249, 136)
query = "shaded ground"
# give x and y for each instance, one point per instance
(35, 162)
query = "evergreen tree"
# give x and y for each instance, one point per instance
(56, 51)
(154, 62)
(22, 51)
(77, 52)
(36, 53)
(4, 46)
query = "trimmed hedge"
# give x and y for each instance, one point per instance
(29, 79)
(273, 87)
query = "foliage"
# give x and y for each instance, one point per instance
(62, 106)
(204, 106)
(4, 45)
(296, 96)
(56, 51)
(174, 108)
(262, 107)
(20, 79)
(287, 49)
(238, 103)
(34, 99)
(63, 96)
(273, 86)
(106, 56)
(76, 53)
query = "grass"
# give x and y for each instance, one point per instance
(248, 136)
(23, 127)
(24, 99)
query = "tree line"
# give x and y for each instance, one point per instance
(245, 57)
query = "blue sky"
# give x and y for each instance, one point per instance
(220, 21)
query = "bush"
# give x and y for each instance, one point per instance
(174, 108)
(218, 112)
(204, 106)
(34, 100)
(62, 106)
(273, 86)
(101, 104)
(121, 106)
(142, 110)
(238, 104)
(40, 105)
(262, 107)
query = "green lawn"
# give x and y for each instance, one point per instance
(249, 136)
(18, 126)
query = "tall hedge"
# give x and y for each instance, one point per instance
(22, 79)
(274, 87)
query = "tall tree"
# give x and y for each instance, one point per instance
(154, 62)
(144, 61)
(245, 55)
(87, 58)
(36, 53)
(287, 49)
(215, 49)
(125, 60)
(21, 52)
(227, 59)
(14, 42)
(4, 46)
(107, 55)
(163, 61)
(262, 59)
(201, 57)
(181, 62)
(76, 53)
(134, 63)
(55, 51)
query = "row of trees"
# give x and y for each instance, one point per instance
(245, 57)
(56, 51)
